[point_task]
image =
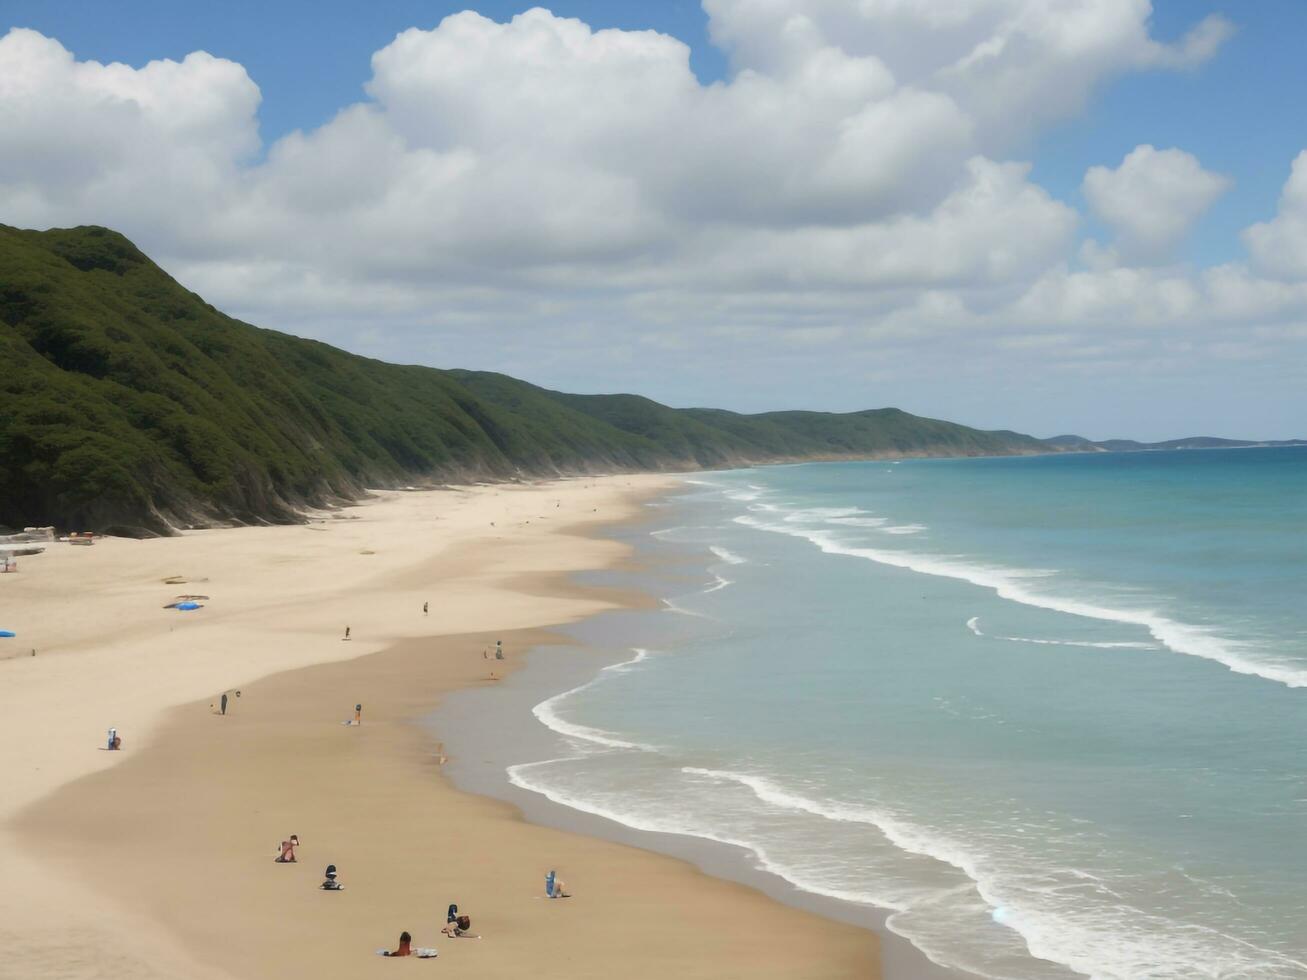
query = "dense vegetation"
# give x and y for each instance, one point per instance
(130, 404)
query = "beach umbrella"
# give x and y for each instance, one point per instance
(188, 605)
(7, 633)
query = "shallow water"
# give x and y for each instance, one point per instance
(1050, 711)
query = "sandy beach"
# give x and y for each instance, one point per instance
(157, 861)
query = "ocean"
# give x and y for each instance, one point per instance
(1049, 712)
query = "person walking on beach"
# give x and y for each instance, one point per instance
(358, 714)
(426, 608)
(499, 649)
(347, 632)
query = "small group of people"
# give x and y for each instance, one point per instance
(458, 925)
(113, 742)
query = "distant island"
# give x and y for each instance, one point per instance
(132, 406)
(1081, 444)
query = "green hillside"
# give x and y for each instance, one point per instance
(131, 405)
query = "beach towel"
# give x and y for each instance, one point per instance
(424, 953)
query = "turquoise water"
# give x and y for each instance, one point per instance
(1051, 712)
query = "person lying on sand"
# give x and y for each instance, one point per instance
(406, 949)
(460, 928)
(287, 855)
(331, 884)
(405, 946)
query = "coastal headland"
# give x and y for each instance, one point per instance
(157, 861)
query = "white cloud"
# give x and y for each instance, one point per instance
(1011, 64)
(569, 204)
(82, 141)
(1152, 199)
(1279, 246)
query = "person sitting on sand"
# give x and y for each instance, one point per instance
(405, 946)
(287, 855)
(554, 887)
(460, 928)
(331, 884)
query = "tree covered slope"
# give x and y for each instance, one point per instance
(131, 405)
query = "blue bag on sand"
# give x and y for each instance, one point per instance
(453, 913)
(549, 885)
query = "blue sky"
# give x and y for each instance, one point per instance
(1240, 113)
(717, 245)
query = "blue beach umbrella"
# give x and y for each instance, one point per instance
(7, 633)
(188, 605)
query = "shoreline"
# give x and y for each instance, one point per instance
(899, 958)
(162, 844)
(502, 725)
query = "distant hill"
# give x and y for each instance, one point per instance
(1081, 444)
(131, 405)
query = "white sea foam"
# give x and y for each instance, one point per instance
(546, 712)
(904, 529)
(1105, 938)
(819, 514)
(665, 530)
(520, 776)
(641, 655)
(973, 624)
(721, 583)
(726, 555)
(671, 605)
(1063, 915)
(859, 521)
(1010, 584)
(681, 527)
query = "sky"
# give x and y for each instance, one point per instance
(1056, 216)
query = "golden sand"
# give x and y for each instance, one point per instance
(157, 861)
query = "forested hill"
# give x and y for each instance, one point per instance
(130, 405)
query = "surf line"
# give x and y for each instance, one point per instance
(546, 712)
(973, 624)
